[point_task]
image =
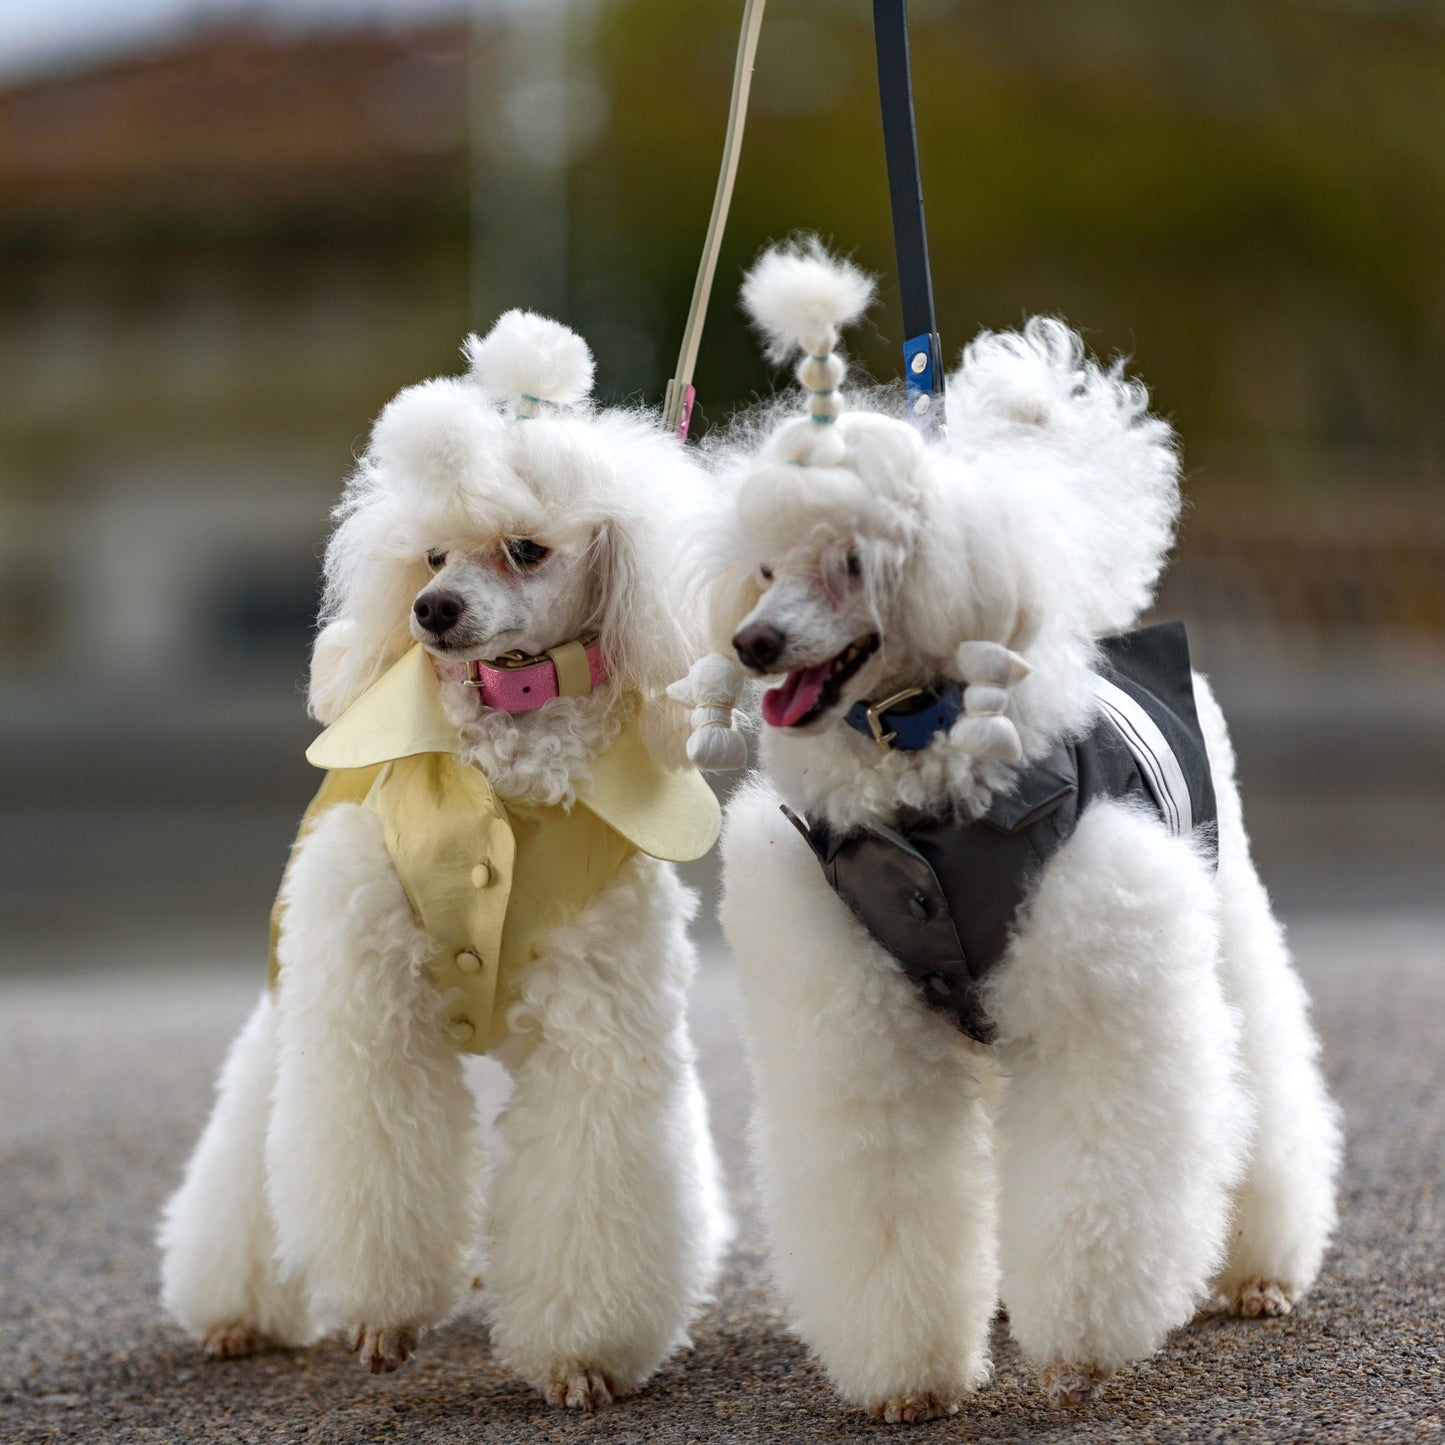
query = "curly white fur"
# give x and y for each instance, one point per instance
(1162, 1124)
(338, 1182)
(802, 298)
(527, 359)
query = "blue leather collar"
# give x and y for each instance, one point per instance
(911, 731)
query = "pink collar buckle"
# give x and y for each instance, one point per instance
(521, 682)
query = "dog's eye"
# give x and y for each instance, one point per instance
(435, 559)
(766, 572)
(853, 563)
(526, 553)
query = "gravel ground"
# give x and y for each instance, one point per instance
(106, 1076)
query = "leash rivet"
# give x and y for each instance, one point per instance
(919, 363)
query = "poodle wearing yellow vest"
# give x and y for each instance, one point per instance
(478, 874)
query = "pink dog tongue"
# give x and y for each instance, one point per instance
(795, 695)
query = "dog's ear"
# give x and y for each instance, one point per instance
(325, 692)
(640, 618)
(733, 590)
(372, 575)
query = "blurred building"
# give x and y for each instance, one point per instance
(218, 260)
(221, 255)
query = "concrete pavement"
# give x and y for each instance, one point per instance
(106, 1075)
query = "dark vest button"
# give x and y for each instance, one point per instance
(939, 985)
(918, 907)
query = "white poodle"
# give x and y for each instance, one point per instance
(1021, 1022)
(479, 873)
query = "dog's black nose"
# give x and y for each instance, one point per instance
(760, 645)
(438, 610)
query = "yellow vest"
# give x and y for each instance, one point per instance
(489, 880)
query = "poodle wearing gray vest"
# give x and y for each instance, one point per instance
(1147, 1125)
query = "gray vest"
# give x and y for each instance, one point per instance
(941, 893)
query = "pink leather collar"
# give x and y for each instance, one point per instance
(519, 683)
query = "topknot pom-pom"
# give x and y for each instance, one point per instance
(801, 297)
(527, 359)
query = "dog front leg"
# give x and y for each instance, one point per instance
(218, 1270)
(607, 1217)
(874, 1153)
(1124, 1124)
(372, 1157)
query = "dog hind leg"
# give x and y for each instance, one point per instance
(372, 1153)
(1124, 1123)
(1285, 1205)
(218, 1271)
(874, 1153)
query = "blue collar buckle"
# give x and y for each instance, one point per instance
(907, 732)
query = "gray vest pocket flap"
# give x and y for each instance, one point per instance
(1040, 791)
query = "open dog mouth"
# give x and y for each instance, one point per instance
(810, 691)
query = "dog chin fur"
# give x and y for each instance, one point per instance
(1151, 1128)
(337, 1185)
(543, 757)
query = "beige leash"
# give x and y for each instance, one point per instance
(677, 406)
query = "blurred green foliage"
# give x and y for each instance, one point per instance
(1247, 197)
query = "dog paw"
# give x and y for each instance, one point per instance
(231, 1342)
(1069, 1384)
(578, 1388)
(906, 1409)
(384, 1349)
(1260, 1299)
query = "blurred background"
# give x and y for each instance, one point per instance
(230, 230)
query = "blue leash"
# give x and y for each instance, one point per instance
(922, 349)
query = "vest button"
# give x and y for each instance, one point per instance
(481, 875)
(938, 984)
(918, 907)
(468, 962)
(460, 1030)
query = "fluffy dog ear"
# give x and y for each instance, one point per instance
(647, 645)
(526, 360)
(325, 691)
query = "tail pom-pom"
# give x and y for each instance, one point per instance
(526, 359)
(800, 297)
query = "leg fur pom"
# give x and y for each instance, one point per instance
(1285, 1206)
(1125, 1121)
(218, 1273)
(607, 1216)
(372, 1152)
(874, 1153)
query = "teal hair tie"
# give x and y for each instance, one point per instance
(825, 420)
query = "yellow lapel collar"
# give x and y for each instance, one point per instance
(398, 716)
(670, 815)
